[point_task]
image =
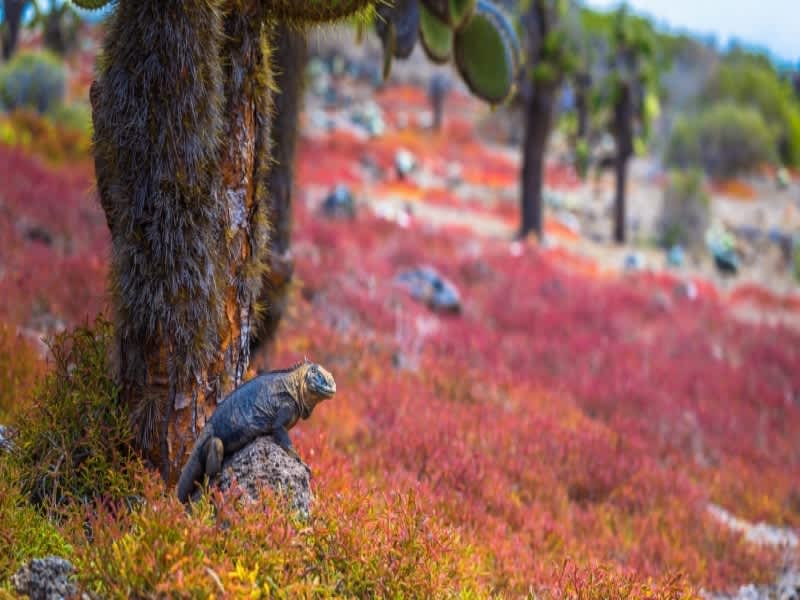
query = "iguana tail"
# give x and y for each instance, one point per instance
(192, 471)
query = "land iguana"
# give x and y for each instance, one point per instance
(268, 404)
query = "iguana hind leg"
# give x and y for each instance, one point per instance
(215, 452)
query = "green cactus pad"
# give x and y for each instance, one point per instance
(485, 55)
(91, 4)
(453, 12)
(436, 37)
(504, 25)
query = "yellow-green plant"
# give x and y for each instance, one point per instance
(74, 440)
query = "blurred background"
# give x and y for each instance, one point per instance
(570, 320)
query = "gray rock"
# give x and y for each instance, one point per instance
(404, 163)
(427, 285)
(762, 534)
(6, 445)
(263, 464)
(45, 579)
(787, 587)
(634, 261)
(340, 203)
(676, 256)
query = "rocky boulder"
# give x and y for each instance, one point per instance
(6, 444)
(425, 284)
(45, 579)
(263, 464)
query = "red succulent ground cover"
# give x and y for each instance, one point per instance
(53, 241)
(560, 415)
(570, 426)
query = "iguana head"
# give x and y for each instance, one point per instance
(316, 385)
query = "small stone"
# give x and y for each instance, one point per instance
(45, 579)
(6, 445)
(676, 256)
(634, 261)
(686, 289)
(37, 233)
(340, 203)
(427, 285)
(404, 162)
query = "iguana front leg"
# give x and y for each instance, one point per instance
(281, 435)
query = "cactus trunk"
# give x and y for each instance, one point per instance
(538, 122)
(290, 55)
(623, 136)
(13, 16)
(181, 142)
(620, 216)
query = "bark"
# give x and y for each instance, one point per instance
(621, 171)
(538, 122)
(539, 104)
(244, 164)
(12, 15)
(290, 55)
(60, 29)
(623, 135)
(582, 83)
(181, 150)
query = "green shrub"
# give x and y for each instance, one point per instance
(686, 210)
(19, 370)
(26, 129)
(24, 532)
(725, 140)
(750, 81)
(76, 116)
(32, 79)
(74, 442)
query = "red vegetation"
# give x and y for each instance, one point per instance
(53, 242)
(566, 432)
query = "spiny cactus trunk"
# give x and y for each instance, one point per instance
(621, 170)
(181, 144)
(623, 136)
(538, 122)
(12, 10)
(582, 105)
(290, 55)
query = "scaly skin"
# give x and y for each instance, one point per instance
(269, 404)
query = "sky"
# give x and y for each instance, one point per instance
(771, 24)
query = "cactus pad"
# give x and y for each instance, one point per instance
(486, 53)
(90, 4)
(455, 13)
(436, 37)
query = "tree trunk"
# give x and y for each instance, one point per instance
(582, 83)
(623, 137)
(621, 171)
(12, 15)
(181, 148)
(290, 56)
(538, 120)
